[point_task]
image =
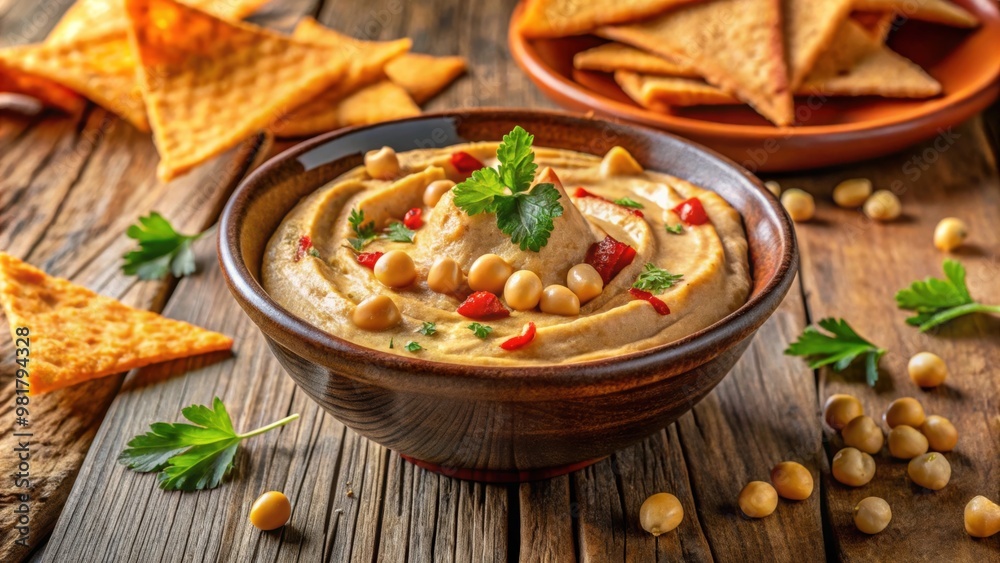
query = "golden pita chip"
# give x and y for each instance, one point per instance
(382, 101)
(210, 83)
(423, 76)
(810, 27)
(612, 57)
(366, 60)
(49, 93)
(938, 11)
(559, 18)
(657, 92)
(77, 335)
(101, 68)
(736, 45)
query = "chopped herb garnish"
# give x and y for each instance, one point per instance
(524, 215)
(412, 346)
(313, 252)
(162, 249)
(365, 231)
(839, 348)
(397, 232)
(675, 229)
(655, 280)
(428, 329)
(938, 301)
(481, 330)
(629, 202)
(191, 457)
(391, 343)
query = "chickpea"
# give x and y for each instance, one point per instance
(660, 513)
(905, 410)
(853, 467)
(559, 300)
(489, 273)
(619, 162)
(931, 471)
(852, 193)
(940, 433)
(982, 517)
(906, 442)
(758, 499)
(792, 480)
(445, 276)
(799, 204)
(862, 433)
(927, 369)
(841, 409)
(395, 269)
(872, 515)
(883, 205)
(523, 290)
(382, 164)
(950, 233)
(773, 187)
(436, 189)
(270, 511)
(585, 282)
(378, 312)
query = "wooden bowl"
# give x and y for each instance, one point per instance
(489, 423)
(829, 130)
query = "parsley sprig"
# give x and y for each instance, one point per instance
(629, 202)
(413, 346)
(191, 457)
(655, 280)
(839, 348)
(675, 229)
(480, 330)
(161, 250)
(523, 214)
(397, 232)
(364, 231)
(428, 329)
(938, 301)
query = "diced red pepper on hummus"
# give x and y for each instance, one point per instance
(691, 211)
(521, 340)
(609, 257)
(465, 162)
(305, 245)
(368, 259)
(580, 192)
(483, 305)
(656, 302)
(414, 219)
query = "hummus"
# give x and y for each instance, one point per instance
(320, 279)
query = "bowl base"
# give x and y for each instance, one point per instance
(492, 476)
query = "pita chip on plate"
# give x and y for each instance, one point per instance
(613, 57)
(382, 101)
(937, 11)
(209, 83)
(660, 92)
(559, 18)
(736, 45)
(810, 27)
(77, 335)
(424, 76)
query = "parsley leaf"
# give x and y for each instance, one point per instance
(675, 229)
(365, 231)
(397, 232)
(839, 348)
(162, 250)
(481, 330)
(428, 329)
(412, 346)
(190, 457)
(655, 280)
(391, 343)
(524, 215)
(938, 301)
(629, 202)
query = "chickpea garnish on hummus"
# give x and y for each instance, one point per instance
(552, 255)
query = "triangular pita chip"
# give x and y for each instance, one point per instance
(736, 45)
(938, 11)
(77, 335)
(559, 18)
(382, 101)
(48, 92)
(423, 76)
(612, 57)
(210, 83)
(810, 27)
(660, 92)
(101, 68)
(366, 60)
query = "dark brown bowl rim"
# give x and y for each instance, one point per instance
(675, 357)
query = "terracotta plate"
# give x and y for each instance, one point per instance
(830, 131)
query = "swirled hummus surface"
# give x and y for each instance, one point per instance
(320, 279)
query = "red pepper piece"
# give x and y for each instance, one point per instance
(691, 212)
(414, 219)
(483, 305)
(657, 304)
(368, 259)
(580, 192)
(305, 245)
(521, 340)
(465, 162)
(609, 257)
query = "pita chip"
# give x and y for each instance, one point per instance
(656, 92)
(77, 335)
(423, 76)
(937, 11)
(382, 101)
(810, 27)
(612, 57)
(559, 18)
(736, 45)
(210, 83)
(49, 93)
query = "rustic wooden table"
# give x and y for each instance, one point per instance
(69, 187)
